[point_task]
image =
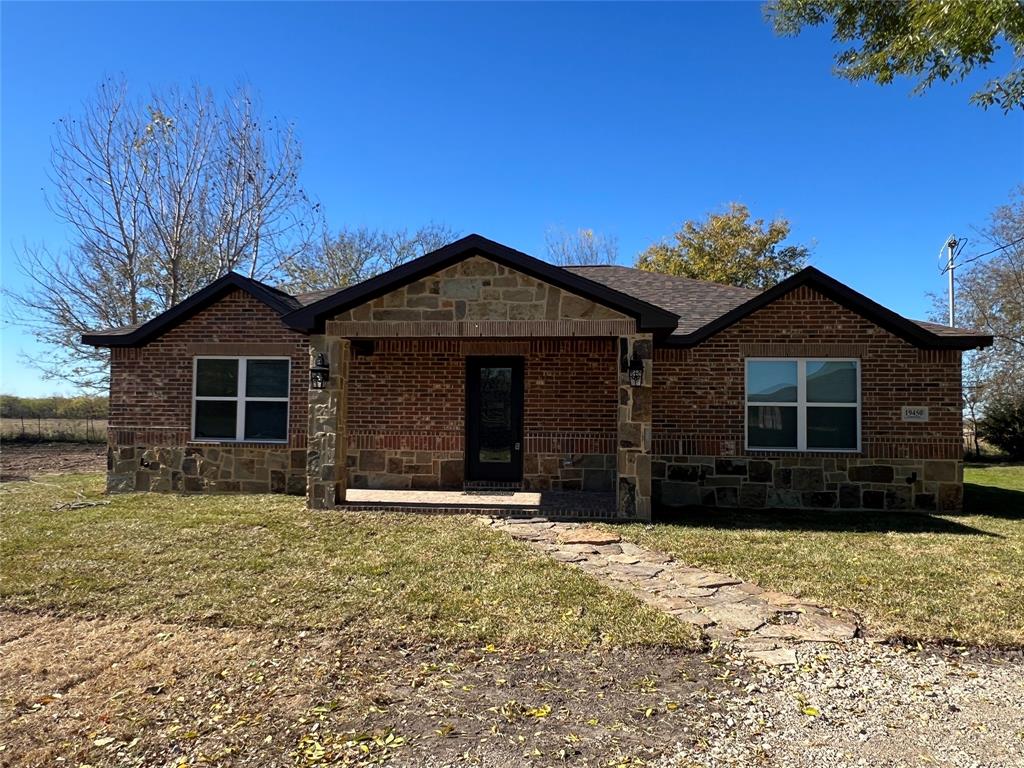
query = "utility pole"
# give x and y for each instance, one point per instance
(951, 252)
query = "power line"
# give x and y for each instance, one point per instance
(994, 250)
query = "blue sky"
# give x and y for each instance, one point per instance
(507, 119)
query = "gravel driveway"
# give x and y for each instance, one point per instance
(862, 704)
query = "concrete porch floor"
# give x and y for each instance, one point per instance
(551, 504)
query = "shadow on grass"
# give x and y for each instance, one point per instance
(820, 520)
(990, 500)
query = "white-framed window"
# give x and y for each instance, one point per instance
(240, 399)
(802, 404)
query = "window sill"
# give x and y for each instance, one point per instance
(802, 451)
(202, 441)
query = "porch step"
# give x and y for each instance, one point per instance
(488, 487)
(566, 505)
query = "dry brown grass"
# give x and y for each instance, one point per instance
(925, 577)
(266, 561)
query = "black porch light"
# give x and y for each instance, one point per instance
(635, 369)
(319, 372)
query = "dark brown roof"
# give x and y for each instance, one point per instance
(312, 297)
(697, 302)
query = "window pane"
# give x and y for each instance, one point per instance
(771, 426)
(771, 381)
(496, 434)
(217, 378)
(266, 378)
(266, 421)
(831, 381)
(215, 419)
(832, 428)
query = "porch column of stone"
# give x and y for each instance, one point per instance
(634, 430)
(327, 447)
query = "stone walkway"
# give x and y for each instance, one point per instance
(764, 625)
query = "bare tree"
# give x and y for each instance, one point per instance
(159, 196)
(990, 298)
(353, 255)
(580, 248)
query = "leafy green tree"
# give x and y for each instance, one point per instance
(730, 248)
(921, 39)
(1002, 425)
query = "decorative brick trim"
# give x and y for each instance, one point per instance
(938, 356)
(215, 348)
(405, 441)
(800, 349)
(733, 445)
(165, 437)
(495, 347)
(356, 329)
(570, 442)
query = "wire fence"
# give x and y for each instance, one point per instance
(40, 430)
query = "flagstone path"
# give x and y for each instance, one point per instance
(764, 625)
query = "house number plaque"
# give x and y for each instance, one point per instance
(915, 413)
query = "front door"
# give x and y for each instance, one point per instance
(494, 419)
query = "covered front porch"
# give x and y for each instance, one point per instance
(482, 369)
(543, 426)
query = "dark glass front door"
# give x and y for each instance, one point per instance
(494, 418)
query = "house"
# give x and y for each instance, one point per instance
(480, 366)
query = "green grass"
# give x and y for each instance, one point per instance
(265, 561)
(927, 577)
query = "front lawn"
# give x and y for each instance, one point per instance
(929, 577)
(265, 561)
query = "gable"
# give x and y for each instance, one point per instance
(277, 301)
(479, 250)
(876, 315)
(474, 290)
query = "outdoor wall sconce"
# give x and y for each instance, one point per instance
(319, 372)
(633, 366)
(635, 371)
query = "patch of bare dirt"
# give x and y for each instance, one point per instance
(21, 461)
(119, 692)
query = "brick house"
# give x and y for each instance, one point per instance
(480, 366)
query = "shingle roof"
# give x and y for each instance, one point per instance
(697, 302)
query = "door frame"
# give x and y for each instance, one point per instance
(475, 470)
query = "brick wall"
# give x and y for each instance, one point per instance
(149, 432)
(699, 417)
(407, 405)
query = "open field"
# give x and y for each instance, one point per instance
(927, 577)
(20, 461)
(49, 430)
